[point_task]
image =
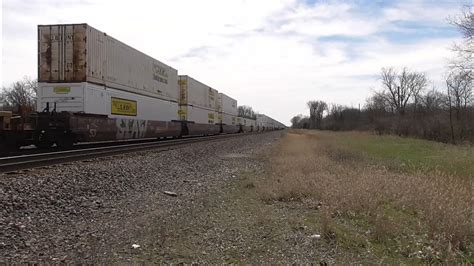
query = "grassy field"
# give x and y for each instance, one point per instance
(411, 154)
(394, 199)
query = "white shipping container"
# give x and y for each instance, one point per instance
(267, 122)
(80, 53)
(90, 98)
(195, 93)
(198, 115)
(246, 124)
(250, 122)
(227, 105)
(246, 121)
(228, 119)
(263, 121)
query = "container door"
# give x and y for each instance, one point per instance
(62, 53)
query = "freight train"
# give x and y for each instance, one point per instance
(93, 87)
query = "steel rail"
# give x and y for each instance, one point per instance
(85, 145)
(15, 163)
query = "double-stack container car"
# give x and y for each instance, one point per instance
(247, 124)
(198, 107)
(93, 87)
(108, 89)
(265, 123)
(228, 114)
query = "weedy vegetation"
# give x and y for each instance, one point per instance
(394, 198)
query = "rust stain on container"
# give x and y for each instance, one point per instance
(45, 54)
(62, 53)
(79, 51)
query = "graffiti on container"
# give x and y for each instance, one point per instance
(91, 126)
(130, 128)
(92, 133)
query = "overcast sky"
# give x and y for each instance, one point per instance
(272, 55)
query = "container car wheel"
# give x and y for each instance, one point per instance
(43, 141)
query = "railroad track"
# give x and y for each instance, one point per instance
(15, 163)
(85, 145)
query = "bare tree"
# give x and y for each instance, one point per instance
(20, 96)
(465, 22)
(313, 106)
(400, 88)
(459, 90)
(316, 111)
(246, 111)
(304, 122)
(465, 49)
(459, 86)
(336, 111)
(378, 102)
(432, 101)
(295, 121)
(460, 76)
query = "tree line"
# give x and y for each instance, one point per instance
(20, 96)
(404, 104)
(246, 112)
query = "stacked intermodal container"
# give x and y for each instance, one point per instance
(247, 124)
(264, 123)
(227, 107)
(198, 106)
(83, 70)
(80, 53)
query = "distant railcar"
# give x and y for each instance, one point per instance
(228, 114)
(198, 107)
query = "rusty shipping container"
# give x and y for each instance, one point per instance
(80, 53)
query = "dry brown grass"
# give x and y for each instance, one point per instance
(435, 208)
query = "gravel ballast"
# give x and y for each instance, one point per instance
(114, 209)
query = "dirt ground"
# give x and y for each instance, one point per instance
(115, 210)
(232, 225)
(272, 198)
